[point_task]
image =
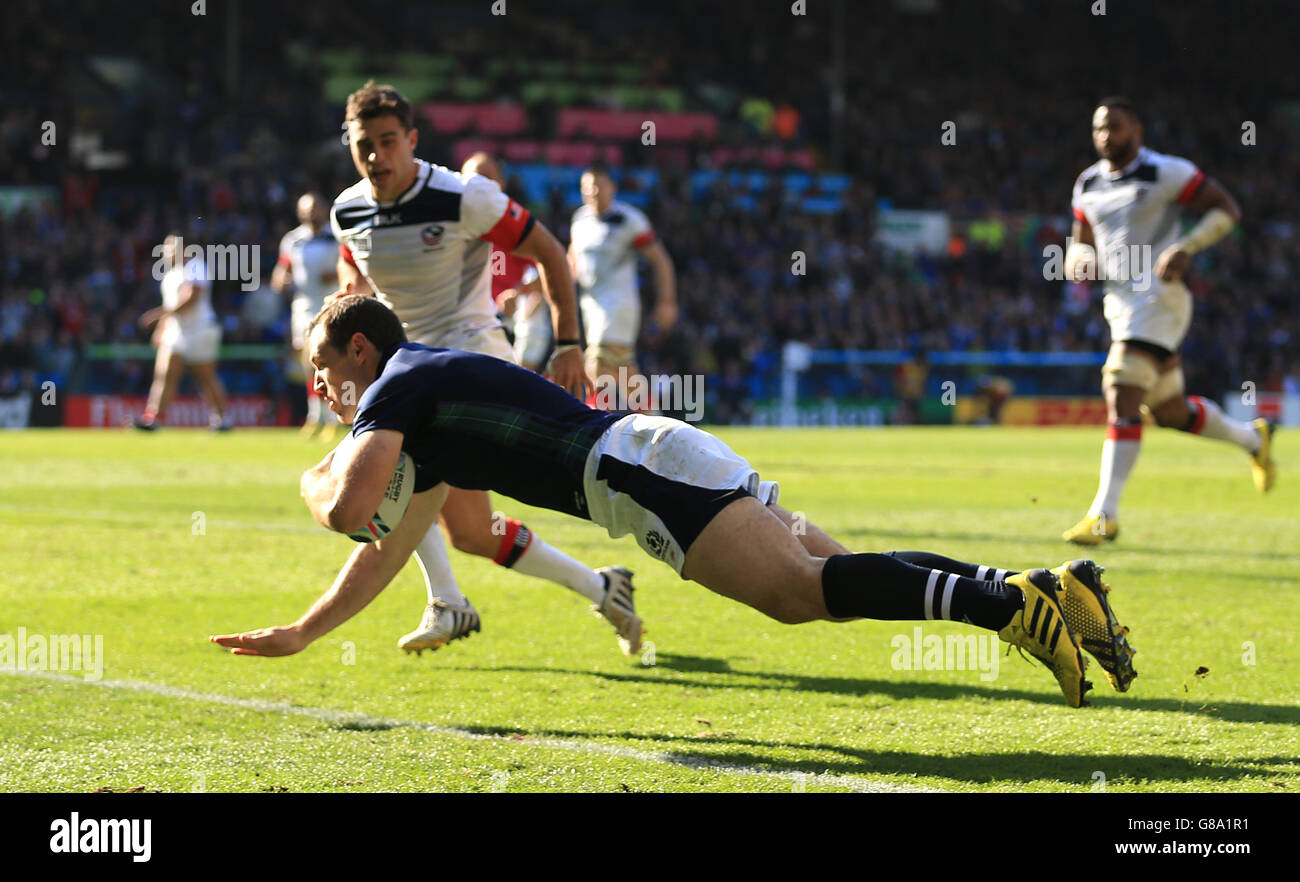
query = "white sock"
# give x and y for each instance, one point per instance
(1119, 452)
(1210, 421)
(548, 562)
(439, 583)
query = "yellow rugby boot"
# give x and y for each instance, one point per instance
(1041, 629)
(1092, 530)
(1090, 616)
(1262, 467)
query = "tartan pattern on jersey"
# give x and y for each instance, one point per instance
(553, 443)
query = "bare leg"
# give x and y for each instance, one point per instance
(210, 385)
(474, 528)
(166, 379)
(814, 540)
(748, 554)
(775, 574)
(467, 519)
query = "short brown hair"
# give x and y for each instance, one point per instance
(372, 101)
(344, 316)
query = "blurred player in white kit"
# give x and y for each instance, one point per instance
(308, 263)
(605, 237)
(1127, 202)
(187, 335)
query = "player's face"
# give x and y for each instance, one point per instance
(336, 376)
(311, 211)
(1115, 135)
(384, 154)
(597, 191)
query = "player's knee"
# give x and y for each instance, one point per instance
(798, 597)
(789, 611)
(1171, 414)
(473, 541)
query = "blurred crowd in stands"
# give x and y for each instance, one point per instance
(187, 141)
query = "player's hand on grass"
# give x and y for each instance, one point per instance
(1172, 263)
(279, 640)
(566, 370)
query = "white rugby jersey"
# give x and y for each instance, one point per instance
(427, 254)
(605, 249)
(312, 258)
(199, 314)
(1138, 205)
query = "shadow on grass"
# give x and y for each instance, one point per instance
(1075, 765)
(728, 678)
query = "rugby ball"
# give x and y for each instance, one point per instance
(396, 498)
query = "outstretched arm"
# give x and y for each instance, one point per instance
(367, 572)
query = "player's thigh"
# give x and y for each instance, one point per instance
(814, 539)
(205, 372)
(747, 553)
(467, 516)
(1127, 376)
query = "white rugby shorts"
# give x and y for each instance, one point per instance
(195, 344)
(1161, 315)
(663, 480)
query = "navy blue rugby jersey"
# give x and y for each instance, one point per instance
(481, 423)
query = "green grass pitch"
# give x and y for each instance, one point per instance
(154, 542)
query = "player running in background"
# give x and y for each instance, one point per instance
(1127, 202)
(476, 421)
(418, 237)
(309, 263)
(604, 239)
(516, 290)
(187, 335)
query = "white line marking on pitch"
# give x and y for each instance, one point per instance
(329, 715)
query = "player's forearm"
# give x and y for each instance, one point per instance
(372, 566)
(665, 278)
(350, 275)
(367, 572)
(280, 279)
(557, 286)
(1213, 226)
